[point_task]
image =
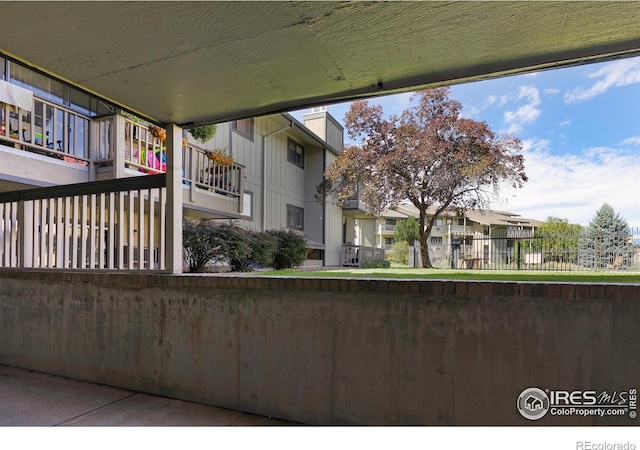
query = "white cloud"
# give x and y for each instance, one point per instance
(565, 123)
(551, 92)
(524, 114)
(635, 140)
(615, 74)
(575, 186)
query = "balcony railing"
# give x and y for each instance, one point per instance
(204, 172)
(96, 225)
(48, 129)
(387, 228)
(146, 153)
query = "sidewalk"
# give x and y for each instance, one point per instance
(30, 398)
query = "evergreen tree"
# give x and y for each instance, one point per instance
(407, 230)
(607, 241)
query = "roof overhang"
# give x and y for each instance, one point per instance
(199, 62)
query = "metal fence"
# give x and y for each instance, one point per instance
(357, 255)
(587, 251)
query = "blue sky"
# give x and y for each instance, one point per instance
(580, 129)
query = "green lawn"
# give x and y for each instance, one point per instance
(476, 275)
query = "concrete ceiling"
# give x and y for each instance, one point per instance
(199, 62)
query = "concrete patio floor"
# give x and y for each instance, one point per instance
(29, 398)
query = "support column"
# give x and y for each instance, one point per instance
(174, 199)
(118, 146)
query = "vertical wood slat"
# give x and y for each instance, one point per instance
(66, 220)
(92, 232)
(152, 224)
(51, 251)
(44, 227)
(131, 225)
(162, 246)
(84, 233)
(141, 211)
(13, 235)
(111, 219)
(6, 234)
(35, 237)
(5, 209)
(101, 228)
(74, 233)
(59, 234)
(121, 230)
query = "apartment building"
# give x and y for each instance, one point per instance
(113, 212)
(471, 235)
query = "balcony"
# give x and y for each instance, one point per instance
(386, 229)
(210, 188)
(354, 208)
(47, 145)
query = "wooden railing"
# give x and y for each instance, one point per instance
(146, 153)
(113, 225)
(203, 172)
(48, 129)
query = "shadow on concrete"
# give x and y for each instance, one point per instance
(29, 398)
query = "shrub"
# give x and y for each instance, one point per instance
(234, 245)
(291, 249)
(376, 264)
(203, 242)
(261, 248)
(399, 253)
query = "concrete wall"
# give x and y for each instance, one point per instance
(328, 351)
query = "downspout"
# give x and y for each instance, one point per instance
(264, 171)
(324, 210)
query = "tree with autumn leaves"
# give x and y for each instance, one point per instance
(429, 155)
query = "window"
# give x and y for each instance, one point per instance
(461, 221)
(436, 239)
(389, 241)
(316, 254)
(247, 205)
(243, 127)
(41, 86)
(438, 222)
(391, 221)
(295, 217)
(295, 153)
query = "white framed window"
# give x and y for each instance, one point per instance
(243, 127)
(247, 205)
(295, 217)
(295, 153)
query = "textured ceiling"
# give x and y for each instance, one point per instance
(198, 62)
